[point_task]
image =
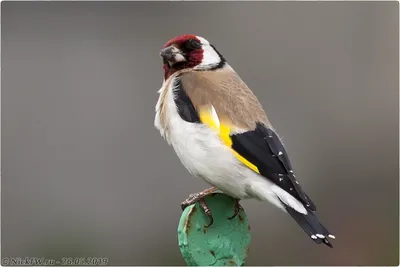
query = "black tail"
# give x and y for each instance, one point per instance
(311, 226)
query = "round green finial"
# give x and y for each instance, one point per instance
(224, 243)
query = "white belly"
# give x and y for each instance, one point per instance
(204, 155)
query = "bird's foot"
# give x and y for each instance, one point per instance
(199, 197)
(195, 197)
(238, 208)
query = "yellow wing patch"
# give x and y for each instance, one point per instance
(210, 118)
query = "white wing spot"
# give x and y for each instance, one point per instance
(291, 188)
(297, 182)
(313, 237)
(320, 236)
(291, 171)
(280, 179)
(280, 153)
(280, 174)
(332, 236)
(215, 116)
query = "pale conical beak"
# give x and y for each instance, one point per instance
(172, 55)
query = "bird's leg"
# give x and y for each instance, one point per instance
(193, 198)
(199, 197)
(238, 208)
(207, 211)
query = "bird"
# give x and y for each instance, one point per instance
(220, 132)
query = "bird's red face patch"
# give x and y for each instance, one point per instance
(190, 47)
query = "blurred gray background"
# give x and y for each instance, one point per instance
(85, 173)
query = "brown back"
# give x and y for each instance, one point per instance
(233, 101)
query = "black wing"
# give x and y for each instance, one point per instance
(264, 149)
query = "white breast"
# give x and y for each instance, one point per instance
(200, 149)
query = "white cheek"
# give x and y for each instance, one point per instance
(210, 57)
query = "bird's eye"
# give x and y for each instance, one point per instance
(192, 44)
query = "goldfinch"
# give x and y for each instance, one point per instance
(220, 132)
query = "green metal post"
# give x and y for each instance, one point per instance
(224, 243)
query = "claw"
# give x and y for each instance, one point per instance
(238, 208)
(207, 211)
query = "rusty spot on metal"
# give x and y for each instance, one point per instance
(240, 218)
(212, 252)
(187, 222)
(247, 251)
